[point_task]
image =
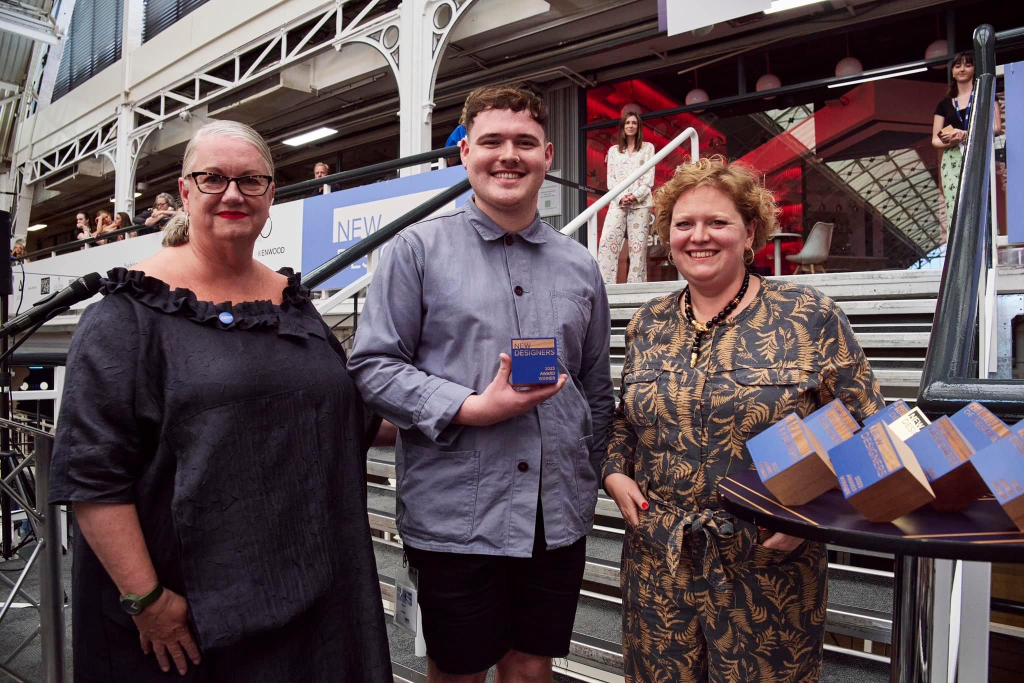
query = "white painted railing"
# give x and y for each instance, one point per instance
(591, 211)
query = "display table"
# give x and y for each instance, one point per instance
(981, 533)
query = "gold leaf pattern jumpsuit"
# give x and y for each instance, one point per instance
(702, 599)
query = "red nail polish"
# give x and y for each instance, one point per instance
(644, 506)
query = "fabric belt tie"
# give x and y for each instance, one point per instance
(704, 528)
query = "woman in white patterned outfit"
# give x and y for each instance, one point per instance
(629, 215)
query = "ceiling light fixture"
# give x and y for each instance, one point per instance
(38, 226)
(309, 137)
(783, 5)
(879, 77)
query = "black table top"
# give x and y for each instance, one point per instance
(982, 532)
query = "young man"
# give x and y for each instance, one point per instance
(496, 486)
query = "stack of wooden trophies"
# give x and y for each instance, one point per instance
(897, 462)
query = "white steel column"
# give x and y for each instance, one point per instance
(424, 29)
(127, 151)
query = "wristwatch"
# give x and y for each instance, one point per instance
(134, 604)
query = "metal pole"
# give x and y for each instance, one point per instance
(5, 435)
(51, 584)
(913, 621)
(972, 659)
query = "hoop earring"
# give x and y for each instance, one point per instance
(748, 260)
(269, 231)
(185, 229)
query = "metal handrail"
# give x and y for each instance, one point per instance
(367, 171)
(591, 211)
(946, 385)
(364, 247)
(142, 229)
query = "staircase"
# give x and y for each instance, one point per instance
(891, 315)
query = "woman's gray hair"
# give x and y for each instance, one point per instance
(230, 129)
(176, 230)
(168, 197)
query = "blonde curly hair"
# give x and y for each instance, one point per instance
(755, 203)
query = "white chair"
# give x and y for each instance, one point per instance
(815, 249)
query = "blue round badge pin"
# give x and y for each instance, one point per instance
(226, 318)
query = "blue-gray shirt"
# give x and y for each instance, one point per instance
(449, 295)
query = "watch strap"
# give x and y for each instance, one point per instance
(144, 601)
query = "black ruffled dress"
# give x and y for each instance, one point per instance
(238, 435)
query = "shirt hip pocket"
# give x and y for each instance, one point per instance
(437, 493)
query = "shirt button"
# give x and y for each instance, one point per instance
(523, 467)
(518, 290)
(509, 239)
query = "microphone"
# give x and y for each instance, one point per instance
(81, 289)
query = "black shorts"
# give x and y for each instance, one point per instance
(478, 607)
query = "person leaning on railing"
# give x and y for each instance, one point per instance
(705, 369)
(162, 212)
(950, 126)
(198, 425)
(83, 224)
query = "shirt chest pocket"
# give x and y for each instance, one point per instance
(763, 396)
(572, 318)
(640, 396)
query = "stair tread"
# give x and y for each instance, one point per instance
(839, 667)
(857, 591)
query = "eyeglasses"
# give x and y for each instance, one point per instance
(214, 183)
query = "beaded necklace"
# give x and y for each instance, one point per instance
(702, 328)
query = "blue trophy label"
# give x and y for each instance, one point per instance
(534, 361)
(890, 413)
(979, 426)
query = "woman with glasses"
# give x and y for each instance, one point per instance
(208, 408)
(162, 212)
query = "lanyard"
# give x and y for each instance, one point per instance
(960, 116)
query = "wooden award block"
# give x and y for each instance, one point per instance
(945, 457)
(791, 462)
(879, 474)
(979, 426)
(831, 424)
(1001, 466)
(888, 414)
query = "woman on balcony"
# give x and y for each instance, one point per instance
(705, 595)
(951, 124)
(629, 214)
(214, 447)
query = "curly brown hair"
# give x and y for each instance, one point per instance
(504, 97)
(740, 183)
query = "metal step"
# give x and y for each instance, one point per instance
(905, 309)
(887, 377)
(867, 340)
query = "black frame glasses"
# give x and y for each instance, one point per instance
(237, 181)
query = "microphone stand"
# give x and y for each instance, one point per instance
(5, 412)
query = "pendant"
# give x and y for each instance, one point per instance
(699, 326)
(693, 359)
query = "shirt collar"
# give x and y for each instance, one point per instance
(536, 233)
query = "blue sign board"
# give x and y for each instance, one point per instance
(337, 221)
